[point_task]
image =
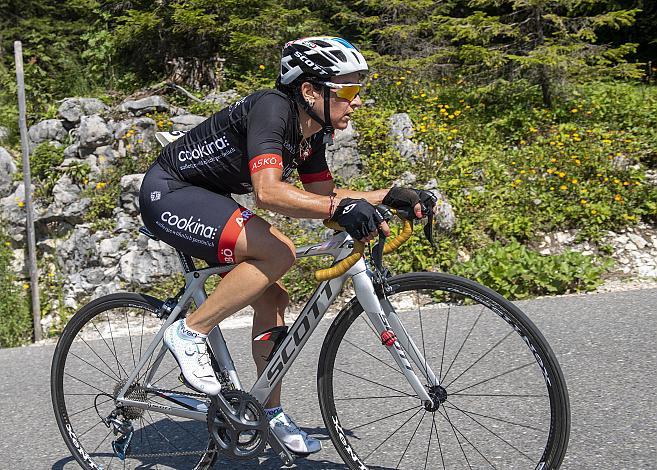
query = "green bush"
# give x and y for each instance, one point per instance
(517, 272)
(15, 318)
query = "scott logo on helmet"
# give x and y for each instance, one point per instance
(310, 63)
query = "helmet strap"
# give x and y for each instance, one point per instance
(327, 129)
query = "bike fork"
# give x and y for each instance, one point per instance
(390, 336)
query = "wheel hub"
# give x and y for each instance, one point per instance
(438, 396)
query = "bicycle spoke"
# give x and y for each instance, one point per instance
(89, 429)
(110, 350)
(463, 344)
(446, 416)
(411, 440)
(381, 419)
(373, 382)
(374, 357)
(442, 357)
(454, 407)
(481, 357)
(440, 447)
(152, 423)
(174, 368)
(109, 323)
(92, 366)
(118, 377)
(395, 432)
(497, 376)
(505, 395)
(90, 407)
(374, 398)
(473, 446)
(88, 385)
(134, 363)
(426, 458)
(141, 336)
(424, 350)
(496, 435)
(101, 442)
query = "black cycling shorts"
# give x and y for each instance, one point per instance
(198, 222)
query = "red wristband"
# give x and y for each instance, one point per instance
(332, 206)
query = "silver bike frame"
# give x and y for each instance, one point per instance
(382, 317)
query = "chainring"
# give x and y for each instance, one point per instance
(238, 424)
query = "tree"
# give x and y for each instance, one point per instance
(544, 41)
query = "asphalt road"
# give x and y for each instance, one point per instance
(605, 344)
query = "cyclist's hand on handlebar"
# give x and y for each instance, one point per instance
(411, 202)
(360, 219)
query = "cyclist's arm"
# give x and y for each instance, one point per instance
(278, 196)
(328, 187)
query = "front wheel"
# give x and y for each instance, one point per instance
(502, 397)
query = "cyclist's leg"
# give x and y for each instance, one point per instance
(264, 255)
(269, 312)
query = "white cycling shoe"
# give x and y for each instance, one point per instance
(193, 359)
(295, 439)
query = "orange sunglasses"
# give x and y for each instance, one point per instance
(347, 91)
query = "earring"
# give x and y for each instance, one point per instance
(311, 103)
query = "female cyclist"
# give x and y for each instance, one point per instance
(254, 145)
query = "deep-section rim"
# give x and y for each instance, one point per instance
(558, 435)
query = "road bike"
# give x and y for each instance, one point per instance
(418, 370)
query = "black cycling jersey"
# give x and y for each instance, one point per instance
(259, 131)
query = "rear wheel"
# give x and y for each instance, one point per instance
(502, 399)
(100, 346)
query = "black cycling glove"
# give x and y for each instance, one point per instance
(405, 199)
(358, 217)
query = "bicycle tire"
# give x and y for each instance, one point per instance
(94, 363)
(462, 298)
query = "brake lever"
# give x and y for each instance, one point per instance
(428, 228)
(377, 251)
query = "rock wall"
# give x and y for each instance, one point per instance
(94, 263)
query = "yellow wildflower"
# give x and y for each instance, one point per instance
(593, 211)
(563, 187)
(26, 285)
(397, 83)
(574, 110)
(584, 202)
(375, 76)
(21, 204)
(618, 197)
(561, 174)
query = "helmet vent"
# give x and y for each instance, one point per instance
(322, 43)
(355, 57)
(340, 55)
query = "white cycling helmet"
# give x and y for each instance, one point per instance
(321, 58)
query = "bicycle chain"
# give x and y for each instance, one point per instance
(179, 453)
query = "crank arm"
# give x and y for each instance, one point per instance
(279, 449)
